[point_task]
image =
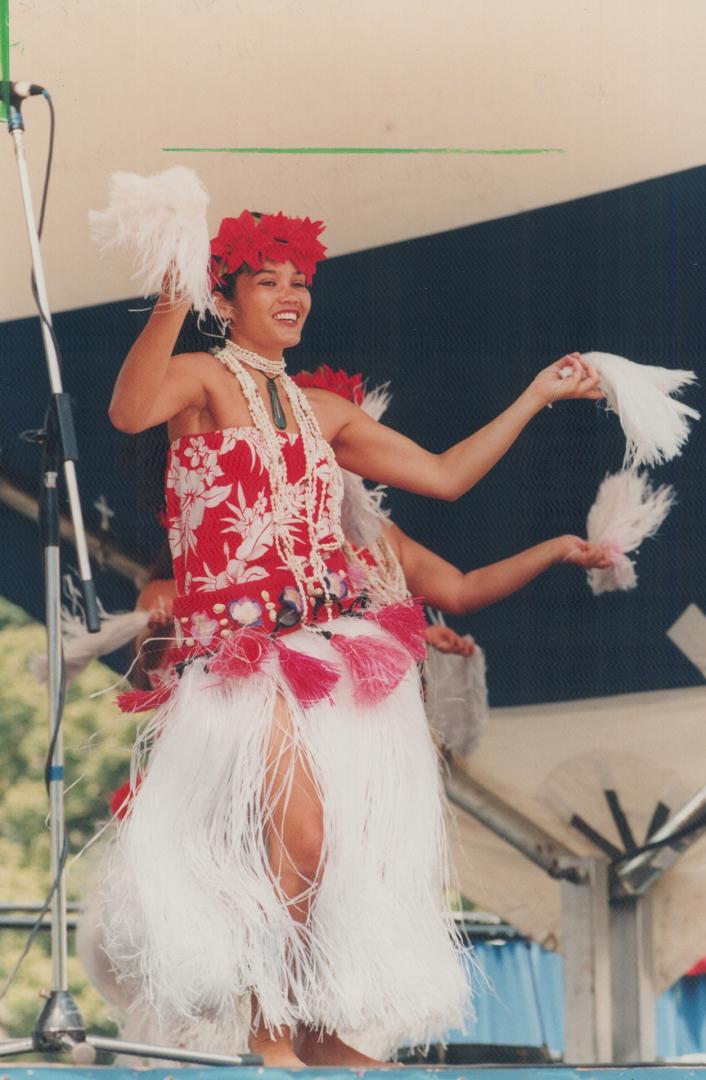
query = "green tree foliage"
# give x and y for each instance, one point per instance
(96, 744)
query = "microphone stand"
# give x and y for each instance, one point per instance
(60, 1027)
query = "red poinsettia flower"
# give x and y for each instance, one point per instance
(237, 243)
(338, 382)
(274, 238)
(287, 239)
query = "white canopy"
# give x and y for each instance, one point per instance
(614, 87)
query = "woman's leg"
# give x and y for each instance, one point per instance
(294, 832)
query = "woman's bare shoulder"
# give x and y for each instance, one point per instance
(332, 411)
(201, 367)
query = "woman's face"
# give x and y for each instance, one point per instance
(269, 309)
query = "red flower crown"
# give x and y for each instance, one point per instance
(339, 382)
(271, 238)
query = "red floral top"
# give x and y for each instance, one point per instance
(222, 537)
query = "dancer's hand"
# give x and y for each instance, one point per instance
(569, 377)
(579, 552)
(447, 640)
(169, 298)
(157, 597)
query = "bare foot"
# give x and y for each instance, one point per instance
(327, 1049)
(276, 1053)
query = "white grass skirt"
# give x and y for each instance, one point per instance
(189, 913)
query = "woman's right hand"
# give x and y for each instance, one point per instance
(447, 640)
(169, 295)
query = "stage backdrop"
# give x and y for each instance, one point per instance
(459, 322)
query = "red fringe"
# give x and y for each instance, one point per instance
(406, 623)
(134, 701)
(241, 655)
(376, 666)
(121, 799)
(310, 680)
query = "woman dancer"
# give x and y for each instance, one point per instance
(267, 850)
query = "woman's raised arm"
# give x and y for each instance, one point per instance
(152, 387)
(378, 453)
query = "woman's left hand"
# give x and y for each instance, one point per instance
(570, 377)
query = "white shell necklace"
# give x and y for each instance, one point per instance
(323, 483)
(232, 353)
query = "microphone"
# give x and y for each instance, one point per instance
(20, 90)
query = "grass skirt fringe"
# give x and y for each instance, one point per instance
(190, 914)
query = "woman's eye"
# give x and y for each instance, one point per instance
(268, 282)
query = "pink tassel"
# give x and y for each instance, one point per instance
(309, 679)
(121, 799)
(406, 623)
(135, 701)
(375, 665)
(241, 655)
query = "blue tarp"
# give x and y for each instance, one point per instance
(521, 1003)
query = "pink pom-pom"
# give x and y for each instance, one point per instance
(309, 679)
(241, 655)
(136, 701)
(376, 666)
(406, 623)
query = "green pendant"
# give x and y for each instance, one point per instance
(277, 411)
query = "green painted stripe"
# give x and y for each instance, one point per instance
(4, 56)
(352, 150)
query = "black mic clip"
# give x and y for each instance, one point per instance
(18, 91)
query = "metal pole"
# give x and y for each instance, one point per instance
(638, 874)
(506, 822)
(52, 569)
(632, 986)
(585, 936)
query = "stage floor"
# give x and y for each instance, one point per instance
(412, 1072)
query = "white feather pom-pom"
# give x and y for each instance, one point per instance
(656, 425)
(627, 511)
(80, 647)
(376, 401)
(363, 516)
(161, 219)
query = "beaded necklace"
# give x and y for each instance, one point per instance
(271, 369)
(317, 453)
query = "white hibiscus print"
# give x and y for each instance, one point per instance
(203, 458)
(254, 523)
(253, 439)
(237, 572)
(194, 495)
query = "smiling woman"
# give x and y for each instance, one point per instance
(265, 858)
